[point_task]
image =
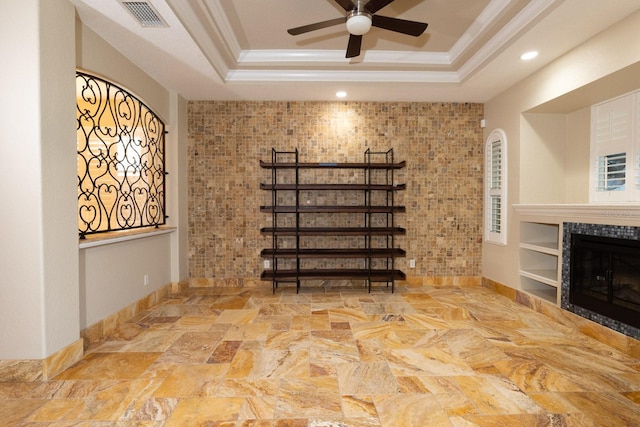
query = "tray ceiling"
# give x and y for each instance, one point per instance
(239, 49)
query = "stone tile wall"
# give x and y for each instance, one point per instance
(441, 142)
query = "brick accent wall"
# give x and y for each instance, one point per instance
(441, 142)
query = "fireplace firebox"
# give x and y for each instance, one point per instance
(605, 276)
(601, 274)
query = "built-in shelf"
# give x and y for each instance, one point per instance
(540, 260)
(548, 277)
(550, 248)
(538, 289)
(539, 234)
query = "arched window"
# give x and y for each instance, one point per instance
(121, 173)
(495, 193)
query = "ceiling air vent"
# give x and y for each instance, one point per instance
(144, 13)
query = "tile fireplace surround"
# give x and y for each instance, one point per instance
(569, 228)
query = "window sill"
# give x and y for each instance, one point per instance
(495, 242)
(123, 236)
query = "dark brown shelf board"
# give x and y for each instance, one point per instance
(333, 274)
(332, 209)
(334, 231)
(316, 187)
(329, 165)
(334, 253)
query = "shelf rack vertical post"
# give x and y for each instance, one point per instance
(274, 217)
(367, 216)
(297, 190)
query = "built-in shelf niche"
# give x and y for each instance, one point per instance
(539, 289)
(540, 260)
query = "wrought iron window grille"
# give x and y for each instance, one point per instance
(121, 169)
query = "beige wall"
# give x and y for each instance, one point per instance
(51, 290)
(542, 161)
(576, 170)
(546, 120)
(111, 276)
(177, 188)
(95, 55)
(38, 247)
(441, 142)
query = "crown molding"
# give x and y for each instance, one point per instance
(245, 76)
(527, 16)
(392, 58)
(218, 17)
(204, 33)
(482, 22)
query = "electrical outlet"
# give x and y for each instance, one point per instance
(412, 263)
(145, 279)
(266, 263)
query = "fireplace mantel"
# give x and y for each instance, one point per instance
(608, 214)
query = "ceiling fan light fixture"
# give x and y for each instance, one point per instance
(359, 23)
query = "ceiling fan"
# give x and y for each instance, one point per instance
(361, 15)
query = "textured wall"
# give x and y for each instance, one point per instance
(441, 142)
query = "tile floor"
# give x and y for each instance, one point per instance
(423, 356)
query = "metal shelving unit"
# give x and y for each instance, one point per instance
(294, 227)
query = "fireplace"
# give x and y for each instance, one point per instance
(601, 274)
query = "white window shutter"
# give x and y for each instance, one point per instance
(614, 153)
(495, 227)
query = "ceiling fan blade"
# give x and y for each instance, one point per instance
(316, 26)
(375, 5)
(346, 5)
(353, 49)
(403, 26)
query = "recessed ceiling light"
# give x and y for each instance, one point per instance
(341, 94)
(529, 55)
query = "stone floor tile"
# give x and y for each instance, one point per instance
(331, 356)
